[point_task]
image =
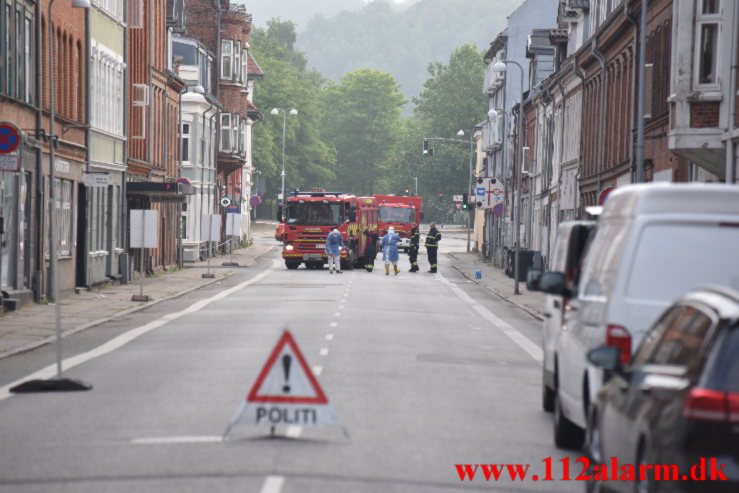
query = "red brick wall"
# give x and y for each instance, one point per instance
(704, 115)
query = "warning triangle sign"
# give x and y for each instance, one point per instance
(286, 378)
(285, 393)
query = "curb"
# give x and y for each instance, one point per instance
(88, 325)
(508, 300)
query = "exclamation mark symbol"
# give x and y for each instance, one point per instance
(286, 361)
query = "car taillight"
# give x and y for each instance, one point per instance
(732, 399)
(619, 337)
(707, 405)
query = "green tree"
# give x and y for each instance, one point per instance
(287, 84)
(452, 100)
(361, 120)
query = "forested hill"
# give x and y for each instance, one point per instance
(400, 42)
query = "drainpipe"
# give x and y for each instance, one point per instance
(180, 250)
(581, 76)
(641, 88)
(202, 169)
(730, 151)
(602, 130)
(123, 208)
(150, 116)
(39, 202)
(561, 147)
(632, 20)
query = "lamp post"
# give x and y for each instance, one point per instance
(276, 111)
(59, 383)
(469, 186)
(502, 66)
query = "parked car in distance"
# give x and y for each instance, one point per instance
(676, 402)
(653, 243)
(566, 256)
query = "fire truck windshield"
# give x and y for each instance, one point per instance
(396, 214)
(314, 214)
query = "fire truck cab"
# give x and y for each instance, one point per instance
(310, 216)
(402, 213)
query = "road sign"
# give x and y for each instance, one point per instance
(457, 198)
(225, 201)
(489, 192)
(604, 194)
(97, 180)
(184, 181)
(255, 200)
(286, 392)
(10, 141)
(233, 209)
(458, 206)
(498, 210)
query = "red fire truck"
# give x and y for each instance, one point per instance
(401, 212)
(308, 218)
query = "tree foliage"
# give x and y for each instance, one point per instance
(287, 84)
(362, 122)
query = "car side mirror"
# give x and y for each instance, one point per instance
(552, 283)
(606, 357)
(532, 280)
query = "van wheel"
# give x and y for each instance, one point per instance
(566, 433)
(547, 396)
(291, 264)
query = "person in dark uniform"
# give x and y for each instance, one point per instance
(370, 250)
(413, 250)
(432, 246)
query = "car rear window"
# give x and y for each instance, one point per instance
(673, 258)
(724, 369)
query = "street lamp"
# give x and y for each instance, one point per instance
(59, 383)
(469, 185)
(276, 111)
(502, 66)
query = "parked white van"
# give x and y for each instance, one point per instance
(653, 243)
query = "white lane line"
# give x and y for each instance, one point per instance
(324, 351)
(293, 431)
(334, 324)
(126, 337)
(176, 440)
(343, 300)
(337, 314)
(341, 307)
(317, 370)
(513, 334)
(272, 484)
(329, 337)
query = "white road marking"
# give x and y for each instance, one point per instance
(513, 334)
(126, 337)
(175, 439)
(294, 431)
(343, 300)
(341, 307)
(334, 324)
(324, 351)
(329, 337)
(337, 314)
(272, 484)
(318, 370)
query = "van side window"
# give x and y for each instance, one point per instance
(603, 258)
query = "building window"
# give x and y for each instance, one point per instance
(235, 130)
(106, 75)
(237, 60)
(708, 25)
(244, 62)
(226, 59)
(225, 132)
(63, 191)
(185, 142)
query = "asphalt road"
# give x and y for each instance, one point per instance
(424, 371)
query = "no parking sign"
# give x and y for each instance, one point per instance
(10, 141)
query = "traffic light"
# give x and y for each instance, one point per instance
(464, 201)
(441, 196)
(427, 151)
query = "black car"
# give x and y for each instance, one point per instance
(674, 406)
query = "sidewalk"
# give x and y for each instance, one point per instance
(495, 281)
(33, 325)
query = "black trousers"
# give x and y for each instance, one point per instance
(431, 252)
(413, 256)
(369, 259)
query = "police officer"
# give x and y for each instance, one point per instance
(413, 250)
(432, 246)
